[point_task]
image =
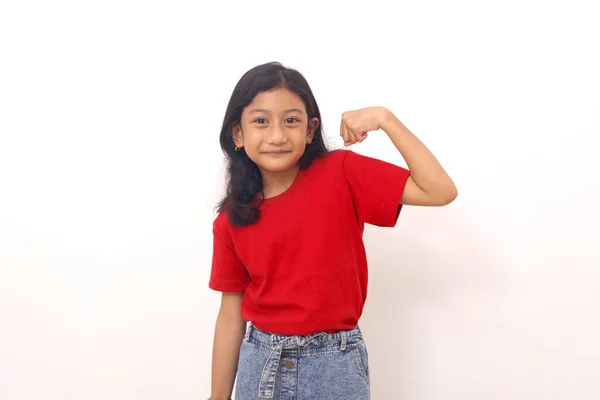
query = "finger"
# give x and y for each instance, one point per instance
(361, 134)
(364, 133)
(344, 132)
(352, 136)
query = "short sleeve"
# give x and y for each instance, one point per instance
(228, 274)
(376, 188)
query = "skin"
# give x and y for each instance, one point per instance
(274, 131)
(428, 184)
(229, 333)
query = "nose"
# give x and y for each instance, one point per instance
(276, 136)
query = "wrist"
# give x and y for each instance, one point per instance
(385, 118)
(391, 125)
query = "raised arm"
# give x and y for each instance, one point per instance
(428, 184)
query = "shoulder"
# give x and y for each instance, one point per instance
(331, 159)
(344, 159)
(338, 155)
(338, 163)
(222, 225)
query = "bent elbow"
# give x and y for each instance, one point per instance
(453, 194)
(448, 197)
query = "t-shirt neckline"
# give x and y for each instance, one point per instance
(286, 193)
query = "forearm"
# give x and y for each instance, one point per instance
(426, 172)
(229, 333)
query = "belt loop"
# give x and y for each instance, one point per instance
(344, 341)
(247, 335)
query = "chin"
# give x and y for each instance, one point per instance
(278, 165)
(273, 167)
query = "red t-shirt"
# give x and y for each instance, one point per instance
(303, 264)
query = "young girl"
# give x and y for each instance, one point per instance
(288, 253)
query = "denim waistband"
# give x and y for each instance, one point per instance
(280, 342)
(299, 341)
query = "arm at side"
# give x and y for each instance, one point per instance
(230, 329)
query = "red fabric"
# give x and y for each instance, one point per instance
(303, 265)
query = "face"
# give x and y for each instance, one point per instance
(274, 130)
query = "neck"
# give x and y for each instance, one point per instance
(275, 183)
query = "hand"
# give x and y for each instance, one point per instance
(357, 124)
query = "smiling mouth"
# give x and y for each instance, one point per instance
(276, 152)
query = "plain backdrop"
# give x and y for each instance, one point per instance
(110, 170)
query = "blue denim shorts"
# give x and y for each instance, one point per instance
(321, 366)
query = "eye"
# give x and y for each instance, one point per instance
(291, 120)
(260, 121)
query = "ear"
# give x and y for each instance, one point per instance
(312, 127)
(236, 135)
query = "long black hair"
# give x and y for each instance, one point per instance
(244, 180)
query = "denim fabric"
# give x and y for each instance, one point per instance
(316, 367)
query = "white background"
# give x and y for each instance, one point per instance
(110, 168)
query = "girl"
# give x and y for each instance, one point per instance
(288, 254)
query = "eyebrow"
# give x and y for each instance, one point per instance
(259, 110)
